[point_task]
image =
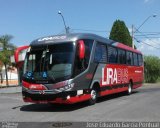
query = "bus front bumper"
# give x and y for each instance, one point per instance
(69, 97)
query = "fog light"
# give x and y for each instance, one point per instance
(68, 97)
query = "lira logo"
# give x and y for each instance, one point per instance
(52, 38)
(114, 75)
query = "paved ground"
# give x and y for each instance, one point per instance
(13, 89)
(142, 105)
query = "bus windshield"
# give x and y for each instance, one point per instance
(49, 63)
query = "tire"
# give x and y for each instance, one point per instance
(129, 91)
(93, 99)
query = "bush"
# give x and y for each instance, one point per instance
(152, 68)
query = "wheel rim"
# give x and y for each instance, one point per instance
(93, 94)
(129, 89)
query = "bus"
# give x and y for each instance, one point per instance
(79, 67)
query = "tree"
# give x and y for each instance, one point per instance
(6, 51)
(1, 65)
(152, 68)
(120, 33)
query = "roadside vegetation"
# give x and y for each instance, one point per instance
(152, 69)
(158, 80)
(6, 50)
(120, 33)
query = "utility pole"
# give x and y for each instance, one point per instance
(132, 36)
(135, 30)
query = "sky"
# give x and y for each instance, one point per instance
(27, 20)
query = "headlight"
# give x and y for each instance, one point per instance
(66, 88)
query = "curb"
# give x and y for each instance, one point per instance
(7, 90)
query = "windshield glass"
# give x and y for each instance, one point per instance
(50, 62)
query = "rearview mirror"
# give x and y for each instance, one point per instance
(81, 49)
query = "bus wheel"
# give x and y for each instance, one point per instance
(93, 99)
(129, 88)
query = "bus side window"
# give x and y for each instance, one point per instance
(140, 60)
(129, 58)
(31, 63)
(112, 54)
(100, 53)
(135, 58)
(121, 56)
(81, 65)
(88, 49)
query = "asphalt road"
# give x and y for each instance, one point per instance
(142, 105)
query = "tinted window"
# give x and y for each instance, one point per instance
(112, 54)
(135, 56)
(140, 60)
(129, 58)
(121, 56)
(50, 62)
(88, 48)
(100, 53)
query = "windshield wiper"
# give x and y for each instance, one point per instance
(52, 78)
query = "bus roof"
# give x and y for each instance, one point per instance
(71, 37)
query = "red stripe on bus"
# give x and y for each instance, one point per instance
(72, 100)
